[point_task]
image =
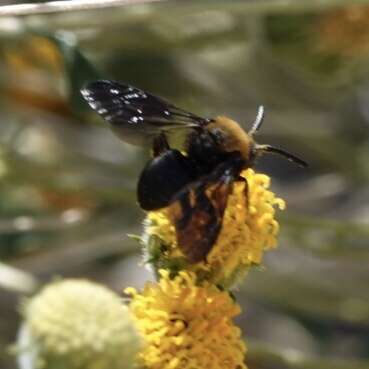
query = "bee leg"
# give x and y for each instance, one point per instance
(163, 177)
(245, 190)
(160, 145)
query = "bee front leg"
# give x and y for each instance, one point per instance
(245, 190)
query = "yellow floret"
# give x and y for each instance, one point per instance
(186, 326)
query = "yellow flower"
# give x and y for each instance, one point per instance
(249, 228)
(186, 326)
(77, 324)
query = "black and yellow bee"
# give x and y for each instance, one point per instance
(193, 183)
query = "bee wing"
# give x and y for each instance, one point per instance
(132, 111)
(197, 213)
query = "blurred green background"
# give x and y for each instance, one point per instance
(67, 198)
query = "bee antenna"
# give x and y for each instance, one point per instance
(287, 155)
(258, 121)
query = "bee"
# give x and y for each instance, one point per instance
(193, 183)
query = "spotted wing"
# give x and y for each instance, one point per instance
(128, 107)
(197, 213)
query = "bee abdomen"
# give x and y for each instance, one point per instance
(162, 178)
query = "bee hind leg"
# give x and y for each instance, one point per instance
(160, 145)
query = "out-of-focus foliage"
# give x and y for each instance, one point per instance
(67, 184)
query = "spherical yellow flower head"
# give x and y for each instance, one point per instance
(77, 324)
(249, 228)
(186, 326)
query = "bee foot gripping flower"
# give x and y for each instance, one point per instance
(187, 326)
(77, 324)
(248, 229)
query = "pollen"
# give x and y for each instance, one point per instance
(187, 326)
(248, 229)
